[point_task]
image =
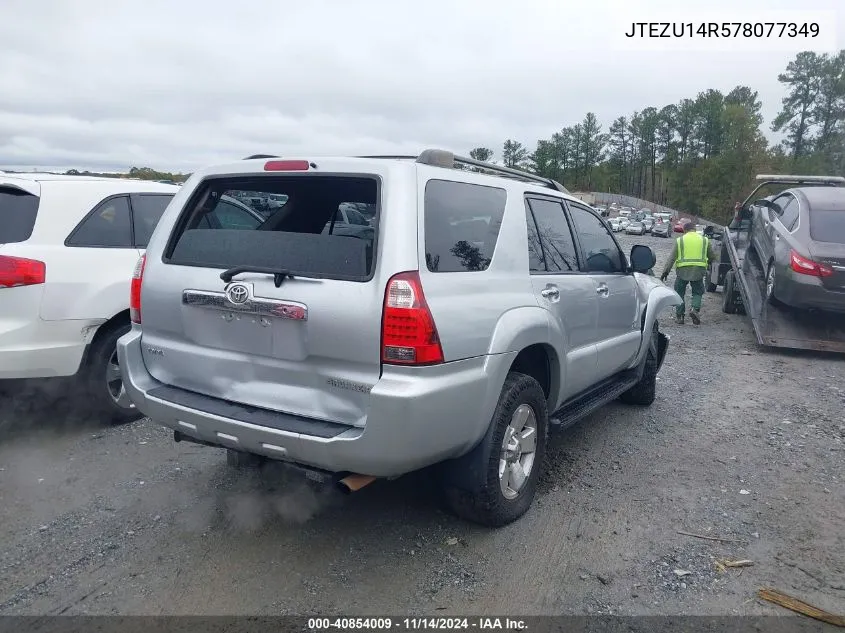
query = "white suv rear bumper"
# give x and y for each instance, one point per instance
(43, 349)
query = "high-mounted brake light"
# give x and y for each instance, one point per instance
(19, 271)
(801, 264)
(408, 333)
(286, 165)
(135, 290)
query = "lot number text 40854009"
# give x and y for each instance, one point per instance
(415, 624)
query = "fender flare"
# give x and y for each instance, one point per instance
(659, 298)
(516, 330)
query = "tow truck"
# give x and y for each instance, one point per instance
(742, 277)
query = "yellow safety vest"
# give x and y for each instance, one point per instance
(692, 250)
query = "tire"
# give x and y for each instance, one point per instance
(490, 505)
(645, 391)
(770, 286)
(102, 379)
(728, 300)
(238, 459)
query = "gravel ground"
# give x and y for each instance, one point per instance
(742, 444)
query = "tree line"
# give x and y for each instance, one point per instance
(701, 154)
(142, 173)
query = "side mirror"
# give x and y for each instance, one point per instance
(642, 259)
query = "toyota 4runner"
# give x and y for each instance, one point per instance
(478, 303)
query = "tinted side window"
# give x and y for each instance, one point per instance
(18, 211)
(107, 226)
(555, 237)
(536, 260)
(146, 212)
(600, 250)
(462, 224)
(231, 216)
(789, 212)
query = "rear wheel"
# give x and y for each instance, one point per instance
(771, 274)
(511, 467)
(729, 294)
(103, 380)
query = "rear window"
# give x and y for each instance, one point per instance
(827, 225)
(18, 211)
(293, 224)
(462, 224)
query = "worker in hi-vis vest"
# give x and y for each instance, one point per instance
(691, 257)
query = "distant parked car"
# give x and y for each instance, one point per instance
(660, 230)
(679, 226)
(615, 225)
(635, 228)
(648, 223)
(799, 238)
(68, 246)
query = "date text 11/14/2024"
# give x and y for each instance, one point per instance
(416, 624)
(724, 30)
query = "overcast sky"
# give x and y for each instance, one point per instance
(176, 85)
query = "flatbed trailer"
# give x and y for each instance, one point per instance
(742, 276)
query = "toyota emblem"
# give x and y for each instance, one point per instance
(237, 294)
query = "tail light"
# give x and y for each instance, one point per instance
(408, 333)
(18, 271)
(135, 290)
(805, 266)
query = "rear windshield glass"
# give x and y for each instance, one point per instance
(18, 211)
(294, 224)
(827, 225)
(461, 225)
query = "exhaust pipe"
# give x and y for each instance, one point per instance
(353, 483)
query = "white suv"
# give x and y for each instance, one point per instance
(68, 246)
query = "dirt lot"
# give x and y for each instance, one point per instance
(742, 444)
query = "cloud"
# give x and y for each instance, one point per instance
(103, 84)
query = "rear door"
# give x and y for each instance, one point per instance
(307, 344)
(562, 289)
(89, 277)
(618, 335)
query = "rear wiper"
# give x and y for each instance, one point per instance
(278, 275)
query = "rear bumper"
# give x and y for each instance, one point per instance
(808, 293)
(417, 417)
(43, 349)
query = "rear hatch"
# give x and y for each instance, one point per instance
(295, 325)
(827, 232)
(21, 275)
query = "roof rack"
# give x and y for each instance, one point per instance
(448, 160)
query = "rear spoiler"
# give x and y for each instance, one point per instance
(27, 186)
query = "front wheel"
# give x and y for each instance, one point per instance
(511, 470)
(645, 391)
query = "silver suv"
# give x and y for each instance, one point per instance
(479, 303)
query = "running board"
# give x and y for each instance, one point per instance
(586, 403)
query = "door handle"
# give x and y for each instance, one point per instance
(550, 293)
(603, 290)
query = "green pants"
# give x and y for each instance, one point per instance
(697, 289)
